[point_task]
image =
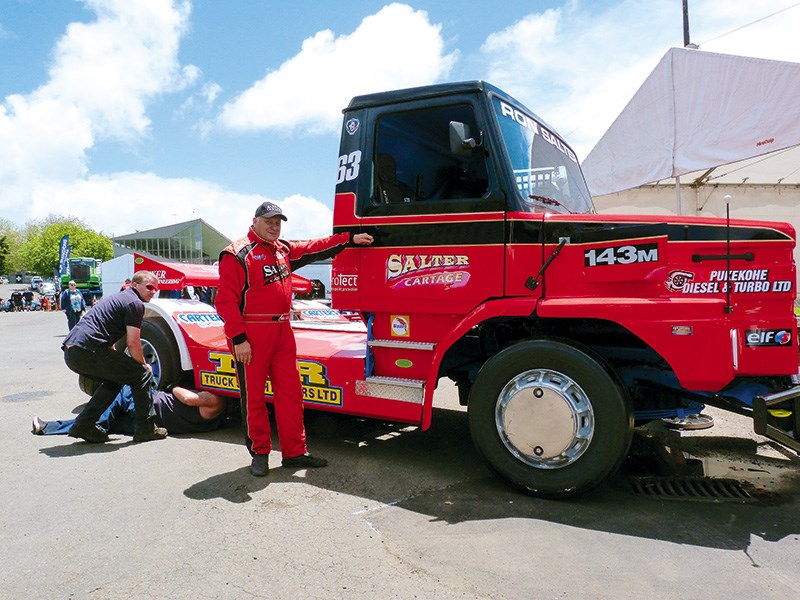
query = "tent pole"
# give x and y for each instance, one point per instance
(678, 195)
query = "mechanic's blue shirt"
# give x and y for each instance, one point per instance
(107, 321)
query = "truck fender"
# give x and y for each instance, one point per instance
(503, 307)
(166, 309)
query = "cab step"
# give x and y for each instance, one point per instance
(392, 388)
(401, 344)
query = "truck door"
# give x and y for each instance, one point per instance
(427, 191)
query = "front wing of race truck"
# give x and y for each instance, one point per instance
(331, 356)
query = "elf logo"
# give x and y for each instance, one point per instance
(768, 337)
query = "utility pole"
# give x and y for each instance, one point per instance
(686, 44)
(685, 23)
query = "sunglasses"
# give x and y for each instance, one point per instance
(150, 287)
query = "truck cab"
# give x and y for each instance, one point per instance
(561, 327)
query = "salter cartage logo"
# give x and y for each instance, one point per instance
(413, 270)
(768, 337)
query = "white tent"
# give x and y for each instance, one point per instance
(704, 117)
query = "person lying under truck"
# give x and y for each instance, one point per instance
(179, 410)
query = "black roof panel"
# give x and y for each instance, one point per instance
(417, 93)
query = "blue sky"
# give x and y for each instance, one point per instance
(132, 115)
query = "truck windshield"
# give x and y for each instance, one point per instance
(545, 169)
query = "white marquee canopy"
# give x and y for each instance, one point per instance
(706, 118)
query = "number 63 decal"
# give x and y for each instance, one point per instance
(349, 165)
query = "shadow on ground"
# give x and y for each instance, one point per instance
(440, 474)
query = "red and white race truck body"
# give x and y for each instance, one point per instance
(560, 327)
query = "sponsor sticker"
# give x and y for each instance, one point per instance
(621, 255)
(313, 376)
(344, 282)
(510, 112)
(352, 126)
(682, 330)
(202, 320)
(742, 281)
(320, 314)
(400, 326)
(767, 337)
(412, 270)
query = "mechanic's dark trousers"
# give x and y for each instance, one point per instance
(114, 369)
(274, 357)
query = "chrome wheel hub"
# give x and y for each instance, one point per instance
(544, 418)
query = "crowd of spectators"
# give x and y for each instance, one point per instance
(19, 299)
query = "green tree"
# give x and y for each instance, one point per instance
(10, 242)
(40, 250)
(3, 253)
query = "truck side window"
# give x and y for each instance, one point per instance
(414, 163)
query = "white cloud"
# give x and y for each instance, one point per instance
(101, 79)
(109, 69)
(577, 66)
(44, 138)
(127, 202)
(394, 48)
(758, 29)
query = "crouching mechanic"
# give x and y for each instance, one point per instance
(89, 350)
(180, 411)
(254, 299)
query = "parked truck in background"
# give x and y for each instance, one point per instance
(86, 272)
(561, 328)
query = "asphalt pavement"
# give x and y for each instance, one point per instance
(399, 513)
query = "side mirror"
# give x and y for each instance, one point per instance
(461, 144)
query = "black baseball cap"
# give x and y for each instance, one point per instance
(270, 209)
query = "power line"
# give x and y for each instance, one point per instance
(752, 23)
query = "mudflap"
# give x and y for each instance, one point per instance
(786, 401)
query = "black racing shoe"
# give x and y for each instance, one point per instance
(304, 461)
(89, 432)
(157, 433)
(260, 465)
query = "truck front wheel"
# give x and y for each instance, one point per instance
(161, 353)
(550, 418)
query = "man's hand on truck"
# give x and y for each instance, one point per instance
(362, 239)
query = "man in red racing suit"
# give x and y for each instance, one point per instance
(254, 300)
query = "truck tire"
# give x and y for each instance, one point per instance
(161, 353)
(549, 417)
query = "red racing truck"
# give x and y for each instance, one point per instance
(560, 327)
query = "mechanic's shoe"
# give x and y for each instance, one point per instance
(260, 465)
(37, 427)
(304, 461)
(89, 432)
(157, 433)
